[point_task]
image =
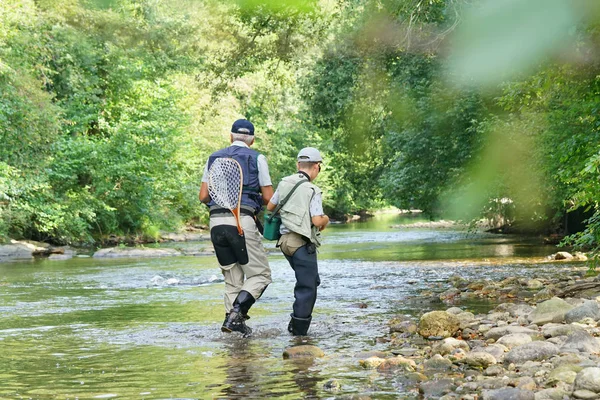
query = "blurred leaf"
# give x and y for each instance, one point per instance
(500, 38)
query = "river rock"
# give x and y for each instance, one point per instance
(546, 293)
(303, 351)
(404, 326)
(16, 251)
(514, 340)
(515, 310)
(479, 359)
(497, 350)
(564, 373)
(371, 362)
(508, 394)
(437, 363)
(585, 394)
(589, 309)
(438, 323)
(332, 385)
(553, 330)
(396, 363)
(498, 332)
(135, 252)
(552, 394)
(588, 379)
(580, 341)
(552, 310)
(448, 345)
(435, 389)
(533, 351)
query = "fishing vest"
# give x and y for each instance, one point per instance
(248, 159)
(295, 213)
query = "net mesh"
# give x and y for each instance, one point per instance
(225, 182)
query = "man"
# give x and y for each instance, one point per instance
(302, 220)
(243, 260)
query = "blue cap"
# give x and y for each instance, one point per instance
(243, 126)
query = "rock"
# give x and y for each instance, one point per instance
(448, 345)
(508, 394)
(438, 323)
(564, 373)
(371, 362)
(515, 310)
(135, 252)
(497, 333)
(553, 330)
(494, 370)
(479, 359)
(66, 254)
(16, 251)
(454, 310)
(588, 379)
(589, 309)
(303, 351)
(404, 326)
(497, 350)
(395, 363)
(580, 341)
(525, 383)
(534, 284)
(552, 394)
(585, 394)
(546, 293)
(465, 318)
(332, 385)
(552, 310)
(533, 351)
(498, 316)
(435, 389)
(437, 363)
(514, 340)
(561, 255)
(579, 256)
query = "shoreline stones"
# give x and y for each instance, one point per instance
(531, 347)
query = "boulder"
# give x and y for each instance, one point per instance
(303, 351)
(396, 363)
(582, 342)
(438, 323)
(480, 359)
(552, 310)
(589, 309)
(533, 351)
(562, 255)
(514, 340)
(16, 251)
(448, 345)
(498, 332)
(588, 379)
(508, 394)
(553, 330)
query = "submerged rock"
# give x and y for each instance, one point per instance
(136, 252)
(303, 351)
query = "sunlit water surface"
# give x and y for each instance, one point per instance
(93, 328)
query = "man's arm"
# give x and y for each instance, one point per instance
(204, 196)
(320, 221)
(267, 193)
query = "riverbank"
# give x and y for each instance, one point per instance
(540, 342)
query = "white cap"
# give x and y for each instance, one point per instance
(309, 154)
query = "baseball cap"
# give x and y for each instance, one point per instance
(309, 154)
(243, 126)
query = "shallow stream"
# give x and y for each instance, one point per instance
(106, 328)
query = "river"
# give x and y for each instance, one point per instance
(105, 328)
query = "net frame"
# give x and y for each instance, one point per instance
(225, 182)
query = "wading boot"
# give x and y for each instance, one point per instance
(236, 320)
(299, 326)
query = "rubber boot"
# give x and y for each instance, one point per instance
(299, 326)
(236, 321)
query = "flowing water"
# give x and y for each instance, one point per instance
(149, 328)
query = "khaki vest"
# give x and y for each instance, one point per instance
(295, 214)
